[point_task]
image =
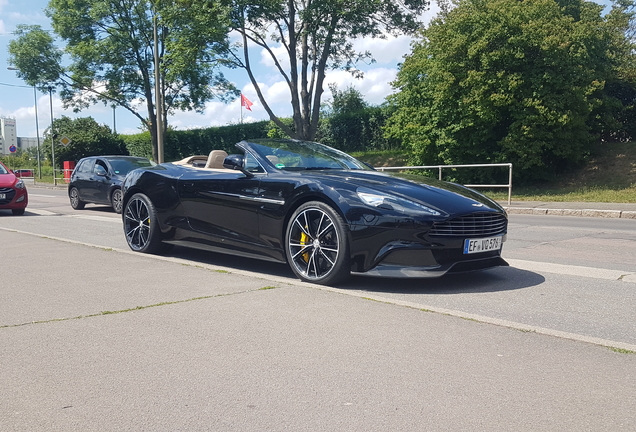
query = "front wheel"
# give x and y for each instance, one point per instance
(142, 227)
(117, 200)
(317, 244)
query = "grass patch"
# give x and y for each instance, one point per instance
(608, 176)
(622, 351)
(582, 194)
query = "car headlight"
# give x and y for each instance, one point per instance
(20, 184)
(390, 202)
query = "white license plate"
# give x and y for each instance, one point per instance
(3, 196)
(482, 245)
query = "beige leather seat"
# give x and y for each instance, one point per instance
(215, 159)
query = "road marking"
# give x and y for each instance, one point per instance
(46, 196)
(572, 270)
(41, 212)
(490, 320)
(529, 265)
(97, 218)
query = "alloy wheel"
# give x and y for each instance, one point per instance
(117, 200)
(313, 243)
(137, 223)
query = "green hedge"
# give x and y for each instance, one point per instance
(359, 131)
(182, 143)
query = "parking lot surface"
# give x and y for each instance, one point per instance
(98, 339)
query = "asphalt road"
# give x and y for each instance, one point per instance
(96, 337)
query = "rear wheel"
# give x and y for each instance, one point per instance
(142, 227)
(317, 244)
(76, 202)
(116, 200)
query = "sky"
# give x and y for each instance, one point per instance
(17, 100)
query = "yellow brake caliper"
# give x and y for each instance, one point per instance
(303, 242)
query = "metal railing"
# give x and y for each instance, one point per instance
(440, 167)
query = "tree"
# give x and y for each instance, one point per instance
(111, 47)
(616, 118)
(315, 36)
(346, 101)
(350, 124)
(87, 138)
(506, 81)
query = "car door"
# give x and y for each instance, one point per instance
(82, 179)
(101, 180)
(223, 205)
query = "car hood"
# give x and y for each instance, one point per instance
(447, 198)
(7, 180)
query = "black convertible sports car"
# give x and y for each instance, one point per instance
(316, 208)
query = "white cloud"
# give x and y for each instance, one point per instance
(279, 52)
(390, 50)
(375, 85)
(215, 114)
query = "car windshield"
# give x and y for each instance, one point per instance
(292, 155)
(3, 170)
(124, 166)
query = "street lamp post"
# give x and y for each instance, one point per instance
(37, 132)
(52, 139)
(37, 129)
(158, 101)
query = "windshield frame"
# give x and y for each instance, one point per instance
(131, 162)
(297, 155)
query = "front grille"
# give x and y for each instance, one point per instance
(9, 193)
(473, 225)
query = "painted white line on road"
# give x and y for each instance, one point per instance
(97, 218)
(46, 196)
(531, 266)
(572, 270)
(41, 212)
(490, 320)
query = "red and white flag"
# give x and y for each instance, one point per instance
(246, 102)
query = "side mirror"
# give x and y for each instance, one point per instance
(235, 162)
(100, 171)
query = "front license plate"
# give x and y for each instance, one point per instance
(482, 245)
(3, 196)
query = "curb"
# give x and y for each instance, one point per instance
(613, 214)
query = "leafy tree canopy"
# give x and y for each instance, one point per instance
(87, 138)
(507, 81)
(304, 39)
(110, 47)
(345, 101)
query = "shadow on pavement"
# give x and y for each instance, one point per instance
(493, 280)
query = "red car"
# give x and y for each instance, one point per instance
(23, 173)
(13, 192)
